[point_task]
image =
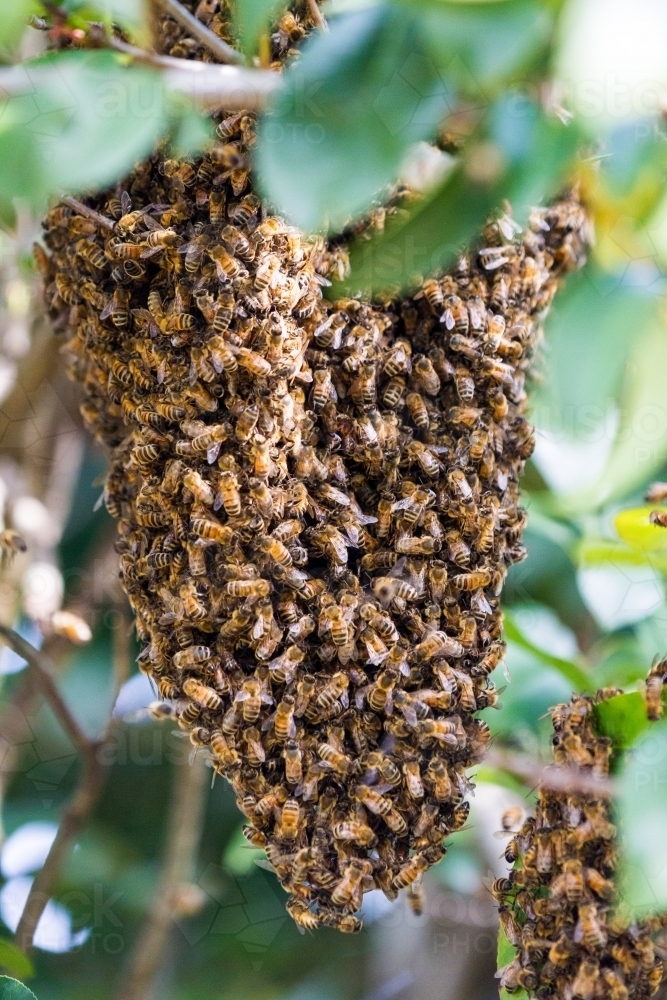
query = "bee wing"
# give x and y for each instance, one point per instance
(360, 694)
(213, 451)
(344, 700)
(125, 203)
(106, 312)
(267, 724)
(151, 252)
(149, 222)
(291, 732)
(448, 319)
(266, 865)
(398, 567)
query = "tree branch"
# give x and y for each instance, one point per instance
(186, 816)
(232, 88)
(81, 209)
(84, 798)
(220, 49)
(71, 824)
(556, 778)
(42, 670)
(317, 16)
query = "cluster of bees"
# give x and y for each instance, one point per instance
(557, 906)
(317, 501)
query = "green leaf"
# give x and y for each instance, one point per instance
(12, 989)
(253, 17)
(484, 44)
(622, 719)
(110, 116)
(14, 960)
(506, 954)
(641, 807)
(573, 673)
(131, 14)
(84, 121)
(523, 155)
(641, 443)
(595, 319)
(635, 528)
(356, 100)
(14, 15)
(21, 171)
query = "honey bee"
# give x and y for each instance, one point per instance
(293, 762)
(418, 411)
(348, 892)
(226, 754)
(393, 392)
(284, 667)
(205, 696)
(11, 542)
(589, 929)
(411, 871)
(290, 816)
(353, 831)
(191, 656)
(653, 689)
(283, 720)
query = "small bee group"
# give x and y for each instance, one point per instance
(558, 905)
(317, 500)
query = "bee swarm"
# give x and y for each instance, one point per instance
(557, 906)
(317, 501)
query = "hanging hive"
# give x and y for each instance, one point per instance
(558, 906)
(317, 501)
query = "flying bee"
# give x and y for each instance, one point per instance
(11, 542)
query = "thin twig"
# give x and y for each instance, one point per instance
(317, 16)
(220, 49)
(42, 670)
(80, 806)
(82, 209)
(232, 88)
(152, 58)
(556, 778)
(186, 816)
(81, 803)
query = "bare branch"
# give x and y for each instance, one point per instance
(232, 88)
(188, 799)
(224, 87)
(82, 209)
(556, 778)
(42, 670)
(317, 15)
(71, 824)
(220, 49)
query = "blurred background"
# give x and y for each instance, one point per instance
(586, 609)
